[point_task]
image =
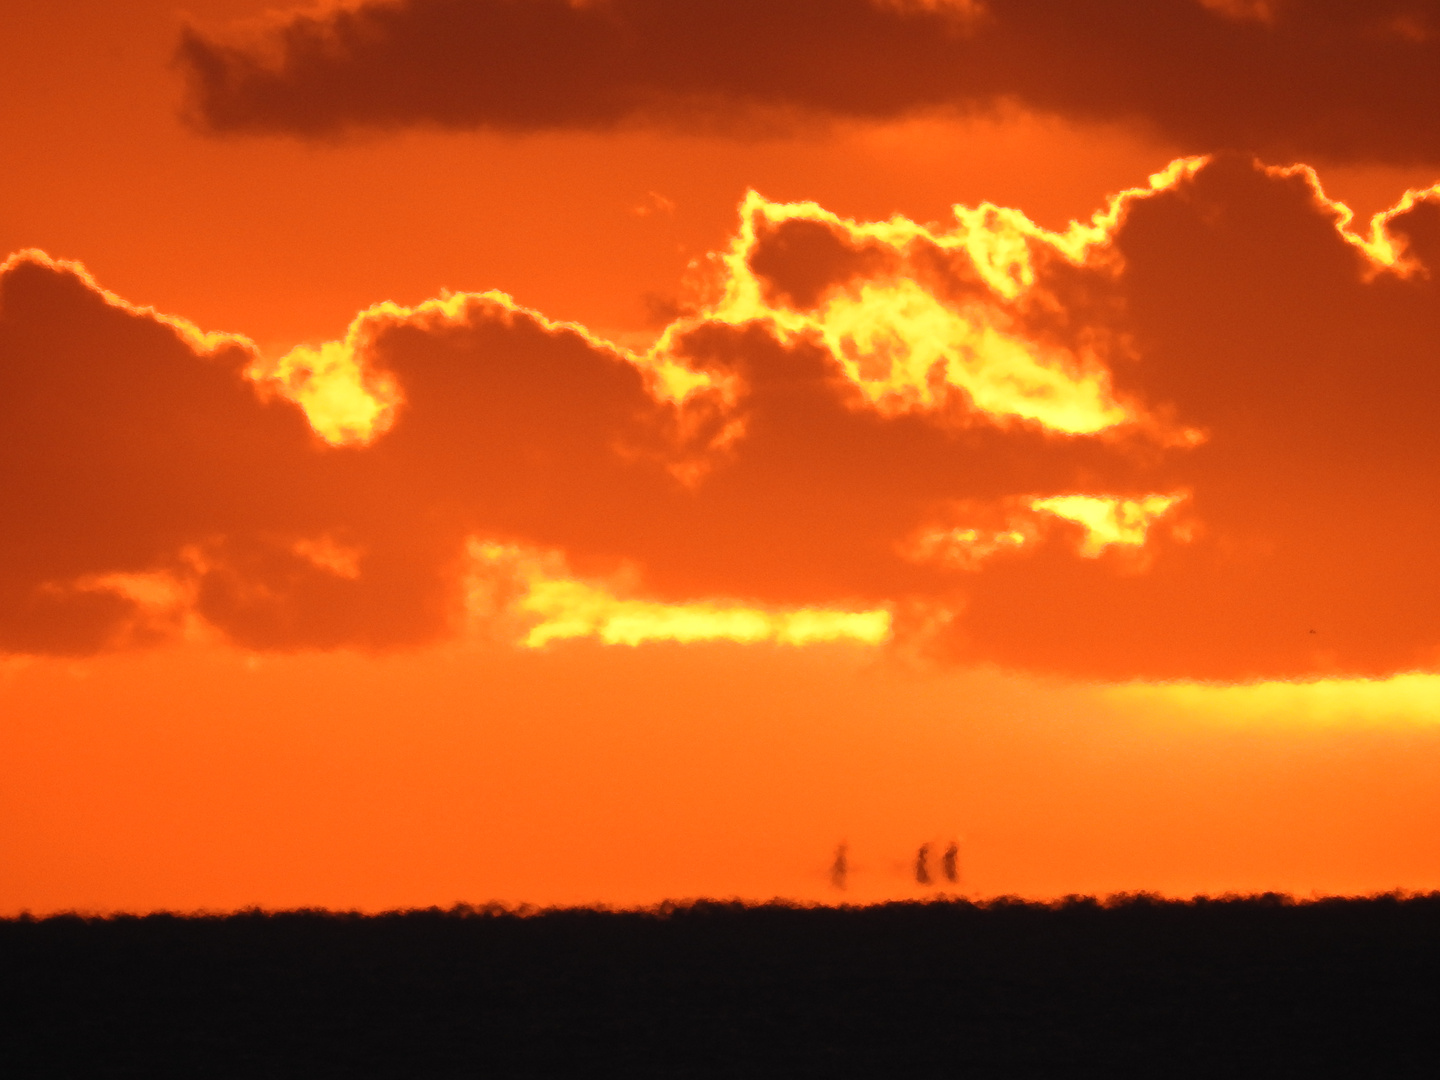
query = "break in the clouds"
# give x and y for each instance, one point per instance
(1291, 78)
(1194, 438)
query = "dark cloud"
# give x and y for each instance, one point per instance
(129, 448)
(1306, 78)
(1314, 493)
(132, 448)
(1227, 303)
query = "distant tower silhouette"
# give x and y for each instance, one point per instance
(922, 865)
(840, 868)
(950, 863)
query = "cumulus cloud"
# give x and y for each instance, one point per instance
(1302, 78)
(1192, 437)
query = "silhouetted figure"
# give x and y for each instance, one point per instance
(840, 867)
(949, 863)
(922, 865)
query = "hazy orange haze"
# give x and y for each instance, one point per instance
(638, 485)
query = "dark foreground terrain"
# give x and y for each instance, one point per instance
(1136, 987)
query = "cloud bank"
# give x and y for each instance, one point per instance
(1193, 438)
(1310, 79)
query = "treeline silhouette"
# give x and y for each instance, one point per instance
(1135, 985)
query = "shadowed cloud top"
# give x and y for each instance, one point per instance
(1316, 79)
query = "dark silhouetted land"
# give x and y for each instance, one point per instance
(1133, 987)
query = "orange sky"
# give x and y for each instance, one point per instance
(722, 482)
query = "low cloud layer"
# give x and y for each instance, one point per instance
(1192, 439)
(1294, 78)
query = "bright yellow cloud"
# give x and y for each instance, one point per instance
(1107, 519)
(1411, 698)
(558, 607)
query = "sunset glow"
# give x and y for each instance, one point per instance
(601, 453)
